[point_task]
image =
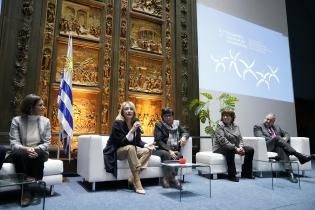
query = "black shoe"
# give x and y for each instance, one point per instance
(233, 179)
(249, 176)
(305, 158)
(26, 198)
(292, 178)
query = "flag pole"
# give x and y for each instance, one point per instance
(69, 148)
(58, 151)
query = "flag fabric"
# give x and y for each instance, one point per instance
(65, 101)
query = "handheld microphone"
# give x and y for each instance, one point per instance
(140, 127)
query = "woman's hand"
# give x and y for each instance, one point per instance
(135, 126)
(150, 146)
(173, 155)
(31, 152)
(240, 151)
(182, 141)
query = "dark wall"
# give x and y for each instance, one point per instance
(301, 22)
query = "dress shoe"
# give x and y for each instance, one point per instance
(304, 158)
(165, 183)
(248, 176)
(292, 178)
(175, 182)
(233, 178)
(26, 198)
(136, 182)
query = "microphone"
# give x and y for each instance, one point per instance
(140, 127)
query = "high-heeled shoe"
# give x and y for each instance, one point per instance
(137, 183)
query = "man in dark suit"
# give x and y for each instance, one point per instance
(277, 140)
(2, 155)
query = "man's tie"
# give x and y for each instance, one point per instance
(272, 132)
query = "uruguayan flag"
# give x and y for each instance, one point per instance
(65, 100)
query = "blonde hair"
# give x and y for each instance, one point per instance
(120, 115)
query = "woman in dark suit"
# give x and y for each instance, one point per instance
(228, 141)
(125, 143)
(30, 136)
(169, 137)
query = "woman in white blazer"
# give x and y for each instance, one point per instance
(30, 136)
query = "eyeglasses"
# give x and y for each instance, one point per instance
(168, 115)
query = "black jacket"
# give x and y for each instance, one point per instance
(116, 140)
(161, 134)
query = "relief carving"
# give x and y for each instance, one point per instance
(145, 35)
(46, 59)
(109, 25)
(145, 75)
(84, 113)
(123, 53)
(85, 64)
(45, 74)
(152, 7)
(22, 58)
(107, 69)
(148, 111)
(169, 69)
(80, 21)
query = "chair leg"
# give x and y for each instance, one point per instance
(51, 190)
(261, 174)
(93, 186)
(303, 173)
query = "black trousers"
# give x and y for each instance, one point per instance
(165, 155)
(33, 167)
(2, 155)
(283, 149)
(229, 152)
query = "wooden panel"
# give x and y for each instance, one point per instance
(145, 74)
(85, 111)
(146, 35)
(148, 110)
(80, 21)
(85, 63)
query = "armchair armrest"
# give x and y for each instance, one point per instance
(259, 145)
(301, 144)
(90, 163)
(187, 150)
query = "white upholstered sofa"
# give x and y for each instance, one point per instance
(53, 170)
(218, 162)
(90, 162)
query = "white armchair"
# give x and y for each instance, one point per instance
(53, 170)
(300, 144)
(216, 161)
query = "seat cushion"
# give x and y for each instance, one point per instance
(51, 167)
(155, 161)
(211, 158)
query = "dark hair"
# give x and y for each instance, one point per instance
(228, 112)
(167, 110)
(28, 104)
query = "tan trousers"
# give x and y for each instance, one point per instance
(137, 158)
